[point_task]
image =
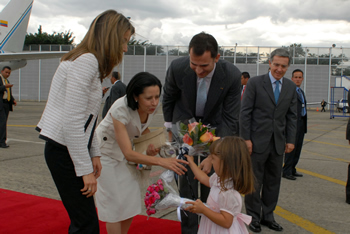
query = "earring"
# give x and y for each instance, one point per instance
(135, 100)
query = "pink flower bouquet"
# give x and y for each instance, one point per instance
(160, 197)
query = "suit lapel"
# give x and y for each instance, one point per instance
(190, 88)
(268, 87)
(215, 89)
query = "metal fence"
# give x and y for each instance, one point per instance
(320, 65)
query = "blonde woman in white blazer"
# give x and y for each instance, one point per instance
(69, 119)
(118, 197)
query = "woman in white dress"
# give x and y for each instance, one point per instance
(118, 197)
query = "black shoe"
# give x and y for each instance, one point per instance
(4, 146)
(272, 225)
(255, 226)
(289, 177)
(296, 174)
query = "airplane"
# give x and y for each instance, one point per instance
(14, 19)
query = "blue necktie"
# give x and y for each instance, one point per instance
(277, 90)
(303, 110)
(201, 98)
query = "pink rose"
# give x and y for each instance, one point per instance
(192, 127)
(156, 195)
(151, 211)
(160, 184)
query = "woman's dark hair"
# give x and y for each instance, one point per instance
(136, 86)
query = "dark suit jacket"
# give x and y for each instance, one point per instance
(348, 126)
(299, 107)
(223, 100)
(261, 118)
(2, 91)
(118, 90)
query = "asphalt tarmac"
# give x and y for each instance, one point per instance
(314, 203)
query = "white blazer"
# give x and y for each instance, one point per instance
(71, 110)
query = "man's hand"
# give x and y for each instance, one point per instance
(206, 165)
(289, 148)
(249, 145)
(8, 85)
(14, 102)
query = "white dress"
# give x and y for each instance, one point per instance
(118, 193)
(229, 201)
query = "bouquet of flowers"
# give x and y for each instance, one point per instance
(197, 136)
(161, 196)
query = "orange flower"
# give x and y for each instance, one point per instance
(187, 139)
(216, 138)
(192, 126)
(206, 137)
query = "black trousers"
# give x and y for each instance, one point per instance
(189, 220)
(81, 210)
(267, 169)
(4, 113)
(291, 159)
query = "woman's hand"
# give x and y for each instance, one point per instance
(96, 164)
(151, 150)
(90, 185)
(174, 165)
(197, 207)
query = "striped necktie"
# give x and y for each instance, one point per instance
(8, 91)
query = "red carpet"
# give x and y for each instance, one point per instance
(23, 213)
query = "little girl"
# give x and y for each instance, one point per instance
(233, 175)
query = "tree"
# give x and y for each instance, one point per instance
(137, 47)
(61, 38)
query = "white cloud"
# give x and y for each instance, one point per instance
(174, 22)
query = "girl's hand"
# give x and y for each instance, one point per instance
(190, 158)
(151, 150)
(174, 165)
(197, 207)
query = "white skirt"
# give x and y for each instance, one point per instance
(118, 193)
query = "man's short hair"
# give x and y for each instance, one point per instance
(297, 70)
(245, 75)
(116, 75)
(280, 52)
(203, 42)
(6, 67)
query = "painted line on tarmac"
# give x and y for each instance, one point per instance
(327, 143)
(325, 156)
(35, 142)
(303, 223)
(330, 179)
(25, 126)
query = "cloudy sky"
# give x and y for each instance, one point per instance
(312, 23)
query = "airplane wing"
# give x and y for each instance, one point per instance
(31, 55)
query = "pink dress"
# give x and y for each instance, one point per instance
(229, 201)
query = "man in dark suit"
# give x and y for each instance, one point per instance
(5, 104)
(206, 88)
(347, 189)
(291, 159)
(268, 125)
(118, 90)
